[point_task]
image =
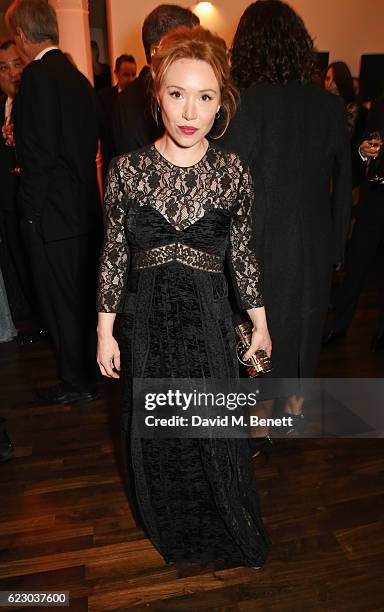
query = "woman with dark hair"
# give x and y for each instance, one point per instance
(173, 208)
(338, 80)
(271, 45)
(294, 137)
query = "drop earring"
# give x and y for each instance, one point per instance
(157, 114)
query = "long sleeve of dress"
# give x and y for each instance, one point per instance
(114, 260)
(243, 261)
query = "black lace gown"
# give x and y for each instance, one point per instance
(167, 231)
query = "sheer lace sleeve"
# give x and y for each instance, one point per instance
(243, 260)
(114, 260)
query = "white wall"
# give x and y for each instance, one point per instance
(346, 28)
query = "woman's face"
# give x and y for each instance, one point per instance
(189, 99)
(329, 83)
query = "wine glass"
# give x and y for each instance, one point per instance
(7, 132)
(9, 141)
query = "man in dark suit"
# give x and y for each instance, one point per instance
(11, 67)
(125, 71)
(368, 233)
(133, 124)
(56, 134)
(16, 269)
(101, 72)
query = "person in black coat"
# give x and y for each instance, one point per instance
(11, 67)
(338, 80)
(56, 134)
(133, 124)
(294, 137)
(16, 269)
(125, 71)
(101, 72)
(367, 235)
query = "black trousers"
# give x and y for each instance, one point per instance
(20, 262)
(367, 235)
(64, 273)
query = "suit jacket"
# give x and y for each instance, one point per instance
(8, 181)
(56, 133)
(294, 138)
(132, 122)
(107, 100)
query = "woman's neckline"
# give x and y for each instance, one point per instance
(178, 166)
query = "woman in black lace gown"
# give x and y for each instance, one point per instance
(172, 211)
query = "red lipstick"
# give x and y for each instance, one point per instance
(187, 130)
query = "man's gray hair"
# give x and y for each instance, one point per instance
(36, 18)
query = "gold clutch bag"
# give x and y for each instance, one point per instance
(259, 363)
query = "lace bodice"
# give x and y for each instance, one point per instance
(152, 206)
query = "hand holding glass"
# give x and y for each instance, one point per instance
(7, 132)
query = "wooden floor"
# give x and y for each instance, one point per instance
(65, 522)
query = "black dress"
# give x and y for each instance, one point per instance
(170, 227)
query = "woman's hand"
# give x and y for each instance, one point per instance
(261, 340)
(108, 353)
(108, 356)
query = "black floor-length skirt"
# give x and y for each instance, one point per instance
(197, 498)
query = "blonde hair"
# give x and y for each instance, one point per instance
(196, 43)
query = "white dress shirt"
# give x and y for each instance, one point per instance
(8, 110)
(43, 52)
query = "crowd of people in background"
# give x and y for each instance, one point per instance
(125, 124)
(312, 155)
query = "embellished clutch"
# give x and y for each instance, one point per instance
(259, 363)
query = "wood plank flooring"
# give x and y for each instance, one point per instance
(65, 522)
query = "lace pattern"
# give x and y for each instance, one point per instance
(177, 252)
(114, 260)
(182, 196)
(244, 262)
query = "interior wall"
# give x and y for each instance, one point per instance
(345, 28)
